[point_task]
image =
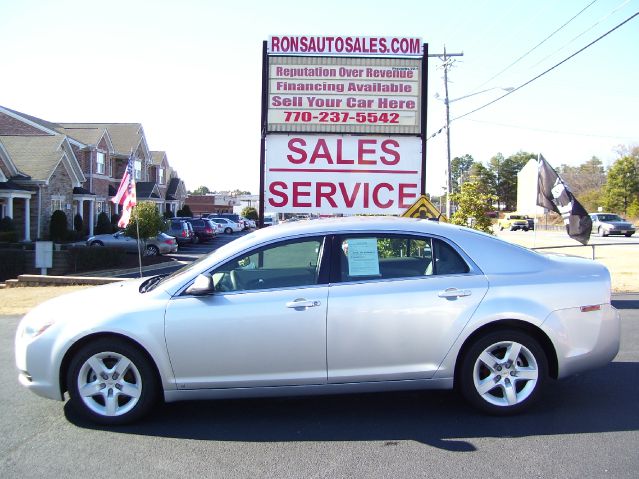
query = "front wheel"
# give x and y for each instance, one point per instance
(503, 372)
(602, 232)
(111, 382)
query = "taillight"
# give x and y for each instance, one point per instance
(208, 230)
(183, 234)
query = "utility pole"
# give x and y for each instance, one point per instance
(447, 63)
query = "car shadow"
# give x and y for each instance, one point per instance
(603, 400)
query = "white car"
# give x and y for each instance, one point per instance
(228, 225)
(327, 306)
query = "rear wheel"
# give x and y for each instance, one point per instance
(503, 372)
(228, 230)
(151, 250)
(111, 382)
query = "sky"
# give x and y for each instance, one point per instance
(190, 72)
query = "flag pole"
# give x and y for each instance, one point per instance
(137, 225)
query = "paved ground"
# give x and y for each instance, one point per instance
(585, 427)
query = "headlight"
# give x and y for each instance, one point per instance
(32, 328)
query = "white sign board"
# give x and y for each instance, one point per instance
(340, 174)
(344, 45)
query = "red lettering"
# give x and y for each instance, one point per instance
(300, 151)
(366, 188)
(275, 44)
(328, 195)
(362, 150)
(297, 194)
(340, 160)
(406, 199)
(273, 189)
(389, 203)
(349, 201)
(321, 151)
(389, 151)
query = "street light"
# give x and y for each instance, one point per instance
(447, 102)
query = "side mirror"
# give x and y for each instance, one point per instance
(202, 286)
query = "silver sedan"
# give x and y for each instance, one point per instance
(160, 244)
(328, 306)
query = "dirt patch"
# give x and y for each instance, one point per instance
(17, 301)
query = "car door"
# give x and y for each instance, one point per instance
(265, 325)
(396, 305)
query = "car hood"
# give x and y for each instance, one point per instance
(96, 304)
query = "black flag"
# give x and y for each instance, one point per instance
(553, 194)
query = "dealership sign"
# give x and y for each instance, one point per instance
(343, 124)
(333, 174)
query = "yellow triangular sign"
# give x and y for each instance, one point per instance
(422, 208)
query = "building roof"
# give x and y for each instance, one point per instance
(125, 137)
(157, 157)
(146, 190)
(35, 156)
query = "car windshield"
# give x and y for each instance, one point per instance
(610, 218)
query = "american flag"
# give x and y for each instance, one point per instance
(126, 193)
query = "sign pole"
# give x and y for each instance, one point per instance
(424, 114)
(263, 128)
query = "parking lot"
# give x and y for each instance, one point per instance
(584, 426)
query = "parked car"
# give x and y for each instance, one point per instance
(182, 230)
(228, 225)
(357, 304)
(203, 229)
(248, 223)
(605, 224)
(513, 222)
(233, 217)
(160, 244)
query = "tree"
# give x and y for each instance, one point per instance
(58, 228)
(202, 190)
(505, 171)
(145, 216)
(473, 204)
(185, 211)
(78, 223)
(622, 185)
(459, 168)
(586, 177)
(250, 213)
(103, 225)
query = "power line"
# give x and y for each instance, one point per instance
(538, 45)
(619, 7)
(549, 69)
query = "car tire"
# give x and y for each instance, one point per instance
(228, 230)
(196, 239)
(513, 382)
(628, 235)
(111, 382)
(602, 232)
(151, 250)
(501, 228)
(97, 243)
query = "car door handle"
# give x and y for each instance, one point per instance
(454, 293)
(302, 303)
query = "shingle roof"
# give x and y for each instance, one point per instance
(157, 157)
(35, 156)
(88, 136)
(125, 136)
(144, 190)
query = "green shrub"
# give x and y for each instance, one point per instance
(92, 259)
(11, 263)
(104, 226)
(78, 223)
(58, 226)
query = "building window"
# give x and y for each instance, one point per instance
(99, 207)
(161, 176)
(56, 204)
(100, 169)
(138, 170)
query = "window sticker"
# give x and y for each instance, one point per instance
(362, 257)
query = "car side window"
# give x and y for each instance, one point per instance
(290, 264)
(384, 257)
(396, 256)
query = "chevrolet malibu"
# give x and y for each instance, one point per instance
(328, 306)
